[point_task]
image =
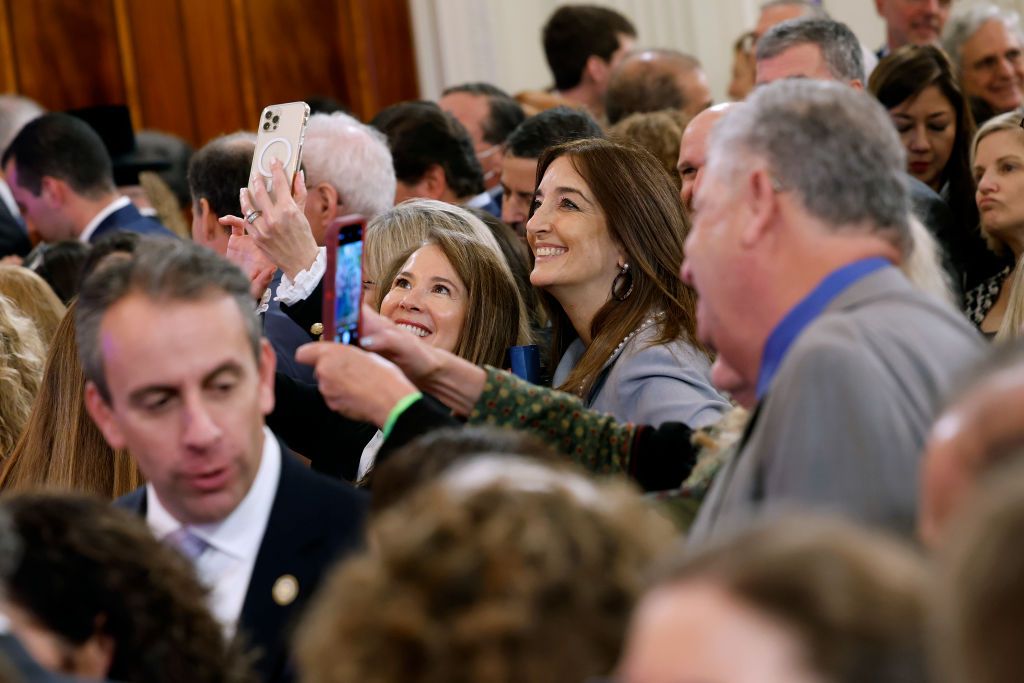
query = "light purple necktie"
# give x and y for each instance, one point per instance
(187, 543)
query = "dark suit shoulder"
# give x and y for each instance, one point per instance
(133, 501)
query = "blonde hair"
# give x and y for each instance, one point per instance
(480, 581)
(659, 132)
(61, 448)
(496, 316)
(407, 226)
(34, 298)
(1010, 121)
(1012, 326)
(21, 362)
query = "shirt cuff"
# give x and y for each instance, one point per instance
(396, 412)
(291, 292)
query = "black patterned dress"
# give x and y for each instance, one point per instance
(979, 300)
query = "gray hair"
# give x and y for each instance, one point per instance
(839, 46)
(354, 159)
(162, 270)
(965, 23)
(15, 112)
(832, 145)
(811, 9)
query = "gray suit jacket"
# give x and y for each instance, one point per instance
(648, 383)
(843, 425)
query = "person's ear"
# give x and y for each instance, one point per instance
(434, 184)
(596, 70)
(857, 84)
(211, 227)
(103, 415)
(267, 367)
(323, 202)
(92, 659)
(53, 189)
(762, 202)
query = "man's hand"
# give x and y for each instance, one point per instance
(359, 385)
(281, 229)
(243, 252)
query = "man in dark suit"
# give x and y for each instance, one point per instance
(61, 176)
(178, 374)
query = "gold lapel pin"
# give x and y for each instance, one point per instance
(285, 590)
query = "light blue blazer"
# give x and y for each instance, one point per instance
(647, 383)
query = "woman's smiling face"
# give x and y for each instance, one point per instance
(428, 298)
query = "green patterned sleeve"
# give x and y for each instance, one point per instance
(592, 439)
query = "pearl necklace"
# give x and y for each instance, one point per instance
(643, 326)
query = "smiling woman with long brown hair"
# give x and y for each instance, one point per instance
(607, 232)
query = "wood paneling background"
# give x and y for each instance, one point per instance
(199, 68)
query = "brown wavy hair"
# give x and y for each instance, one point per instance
(495, 585)
(61, 448)
(34, 298)
(645, 219)
(89, 569)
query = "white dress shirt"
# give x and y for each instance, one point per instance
(292, 292)
(110, 208)
(8, 199)
(234, 542)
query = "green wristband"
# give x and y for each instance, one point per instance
(396, 412)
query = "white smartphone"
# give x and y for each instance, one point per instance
(279, 135)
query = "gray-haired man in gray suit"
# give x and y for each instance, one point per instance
(799, 220)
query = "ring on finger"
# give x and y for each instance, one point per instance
(251, 217)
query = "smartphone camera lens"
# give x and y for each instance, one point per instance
(276, 119)
(268, 115)
(266, 126)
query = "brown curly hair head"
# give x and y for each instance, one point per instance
(488, 584)
(87, 567)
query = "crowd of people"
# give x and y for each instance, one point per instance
(770, 437)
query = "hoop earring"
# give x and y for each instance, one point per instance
(622, 285)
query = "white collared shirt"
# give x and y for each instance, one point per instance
(227, 564)
(479, 201)
(110, 208)
(8, 199)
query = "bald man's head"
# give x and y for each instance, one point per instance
(693, 150)
(653, 80)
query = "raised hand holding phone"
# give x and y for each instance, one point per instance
(343, 280)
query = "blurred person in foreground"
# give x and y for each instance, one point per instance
(792, 600)
(92, 594)
(503, 570)
(178, 374)
(978, 606)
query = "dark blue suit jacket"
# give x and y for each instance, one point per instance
(129, 219)
(13, 236)
(314, 521)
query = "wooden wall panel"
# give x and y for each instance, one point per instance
(66, 52)
(211, 53)
(199, 68)
(155, 66)
(378, 53)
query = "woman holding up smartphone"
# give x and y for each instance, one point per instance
(446, 282)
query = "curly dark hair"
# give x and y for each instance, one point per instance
(487, 585)
(86, 566)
